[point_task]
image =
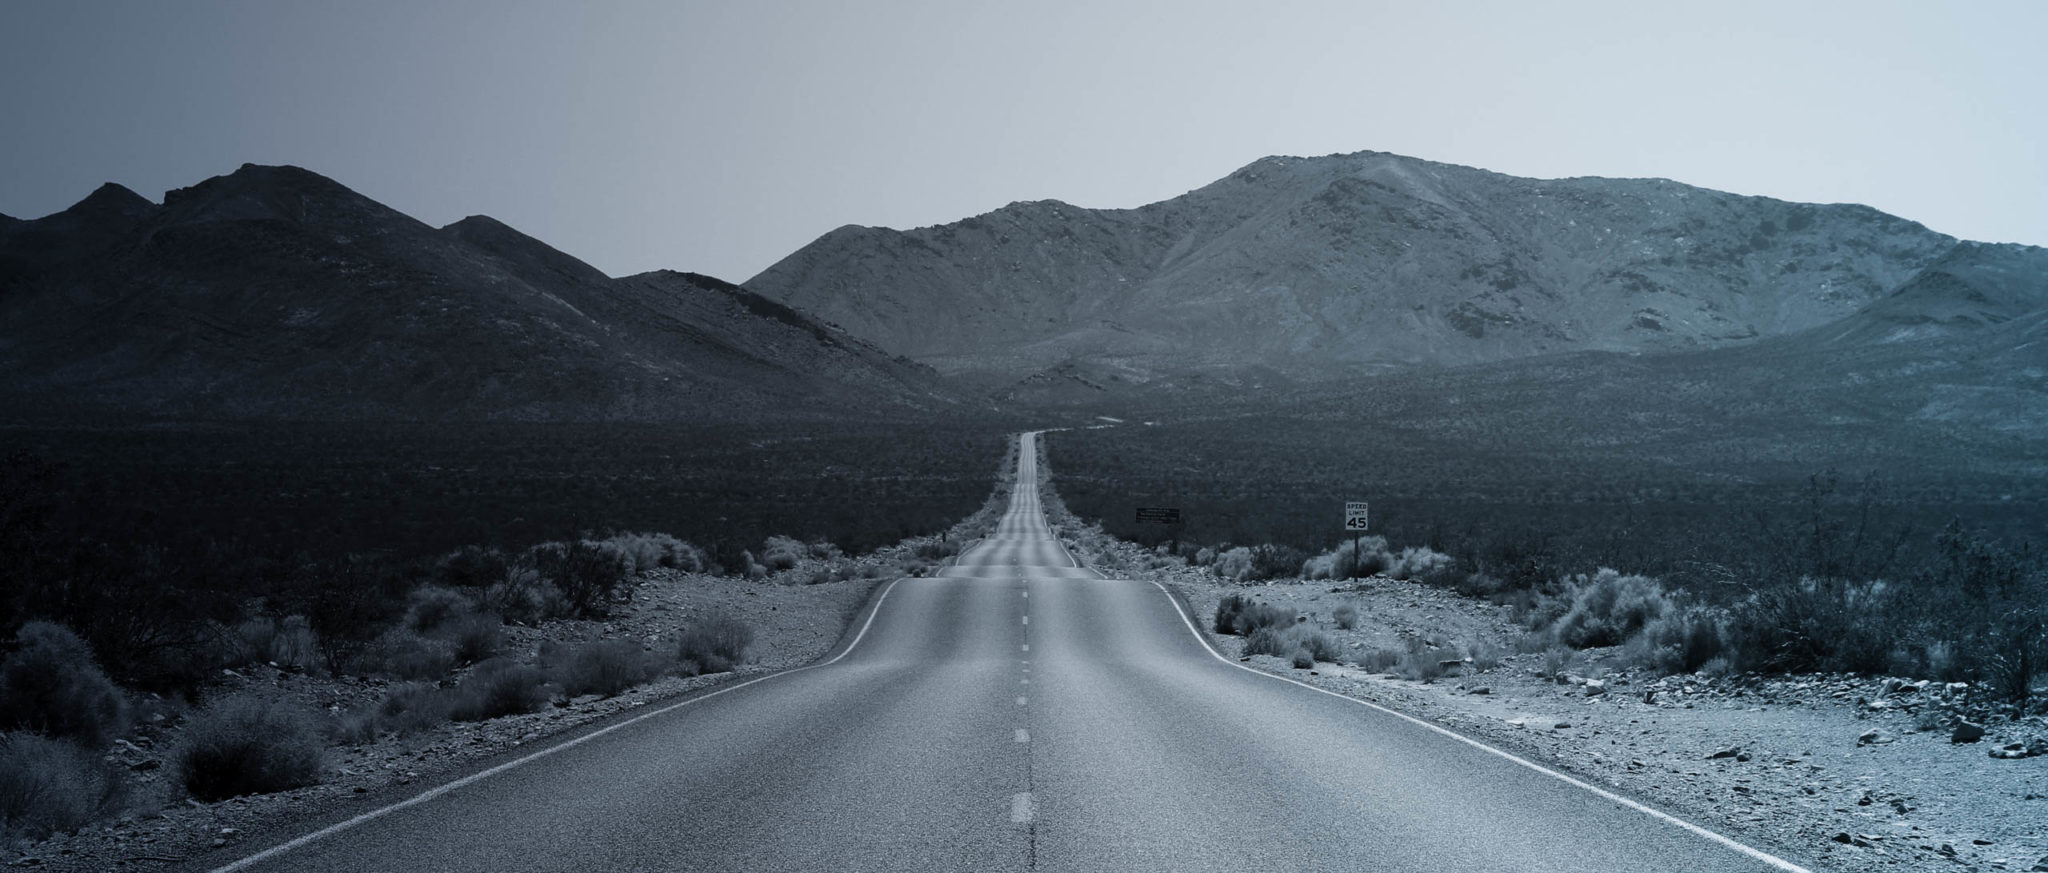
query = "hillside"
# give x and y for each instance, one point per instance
(1313, 269)
(276, 292)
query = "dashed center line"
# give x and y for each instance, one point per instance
(1023, 736)
(1027, 647)
(1020, 700)
(1027, 619)
(1021, 809)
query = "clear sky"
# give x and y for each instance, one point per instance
(720, 136)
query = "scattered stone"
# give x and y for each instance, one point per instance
(1967, 732)
(1482, 690)
(1874, 736)
(1595, 687)
(1724, 753)
(1560, 725)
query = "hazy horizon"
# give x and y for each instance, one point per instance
(719, 138)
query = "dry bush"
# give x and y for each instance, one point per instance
(1682, 640)
(49, 786)
(246, 745)
(602, 667)
(404, 655)
(1243, 616)
(431, 606)
(407, 709)
(473, 567)
(52, 686)
(782, 553)
(1607, 608)
(523, 596)
(588, 574)
(498, 687)
(1365, 556)
(716, 642)
(647, 551)
(1346, 617)
(1380, 660)
(1422, 564)
(475, 637)
(287, 642)
(1815, 625)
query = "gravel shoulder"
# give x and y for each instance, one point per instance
(1780, 763)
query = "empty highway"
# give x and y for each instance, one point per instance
(1015, 712)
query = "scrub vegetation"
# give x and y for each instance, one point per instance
(1686, 572)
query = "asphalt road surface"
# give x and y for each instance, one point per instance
(1017, 712)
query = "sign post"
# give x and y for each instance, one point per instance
(1162, 515)
(1354, 522)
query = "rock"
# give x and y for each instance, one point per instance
(1873, 736)
(2037, 746)
(1560, 725)
(1966, 732)
(2013, 752)
(1724, 753)
(1595, 687)
(1482, 690)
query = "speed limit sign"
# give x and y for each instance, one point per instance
(1354, 516)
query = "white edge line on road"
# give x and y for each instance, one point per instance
(481, 775)
(1652, 812)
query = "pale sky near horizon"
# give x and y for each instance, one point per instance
(719, 137)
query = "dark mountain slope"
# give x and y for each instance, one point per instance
(1331, 267)
(274, 291)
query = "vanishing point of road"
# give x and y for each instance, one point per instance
(1014, 712)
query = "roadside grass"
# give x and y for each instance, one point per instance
(715, 643)
(53, 686)
(51, 786)
(246, 744)
(602, 667)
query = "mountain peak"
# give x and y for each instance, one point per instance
(284, 192)
(508, 243)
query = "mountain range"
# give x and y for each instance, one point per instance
(1305, 270)
(276, 292)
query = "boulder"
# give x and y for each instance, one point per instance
(1966, 732)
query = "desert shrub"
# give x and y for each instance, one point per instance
(349, 602)
(936, 550)
(49, 786)
(1607, 608)
(602, 667)
(716, 642)
(474, 637)
(782, 553)
(1268, 640)
(753, 569)
(1422, 564)
(430, 606)
(287, 642)
(1681, 640)
(498, 687)
(246, 745)
(405, 655)
(523, 596)
(412, 707)
(1346, 616)
(1243, 616)
(1365, 556)
(472, 567)
(1380, 660)
(1204, 557)
(1234, 564)
(1420, 663)
(1318, 646)
(647, 551)
(589, 574)
(52, 685)
(1303, 660)
(408, 708)
(1814, 625)
(1557, 662)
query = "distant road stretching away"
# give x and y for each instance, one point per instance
(1016, 712)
